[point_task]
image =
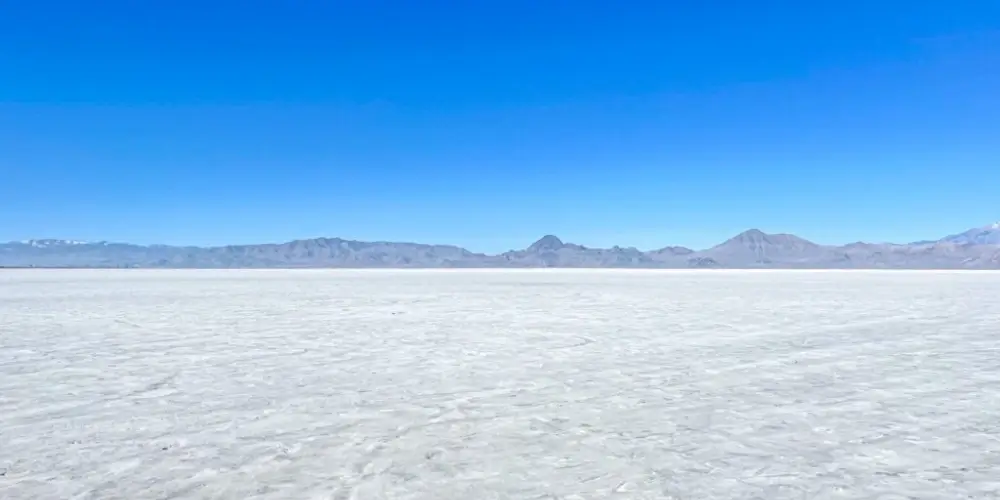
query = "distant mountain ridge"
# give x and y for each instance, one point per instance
(977, 248)
(987, 235)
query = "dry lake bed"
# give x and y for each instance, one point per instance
(490, 384)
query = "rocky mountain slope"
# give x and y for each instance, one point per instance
(973, 249)
(988, 235)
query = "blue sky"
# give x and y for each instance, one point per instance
(489, 124)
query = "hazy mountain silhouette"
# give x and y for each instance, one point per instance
(974, 249)
(754, 248)
(987, 235)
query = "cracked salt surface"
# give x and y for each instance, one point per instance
(499, 384)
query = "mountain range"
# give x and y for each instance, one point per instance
(977, 248)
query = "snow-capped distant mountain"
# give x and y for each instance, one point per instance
(49, 242)
(986, 235)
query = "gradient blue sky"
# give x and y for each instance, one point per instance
(488, 124)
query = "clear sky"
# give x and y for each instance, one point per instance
(490, 123)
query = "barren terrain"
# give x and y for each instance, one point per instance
(489, 384)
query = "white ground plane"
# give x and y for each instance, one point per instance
(469, 385)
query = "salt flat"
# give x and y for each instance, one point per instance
(499, 384)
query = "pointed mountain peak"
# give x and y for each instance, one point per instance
(757, 237)
(546, 243)
(753, 233)
(750, 235)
